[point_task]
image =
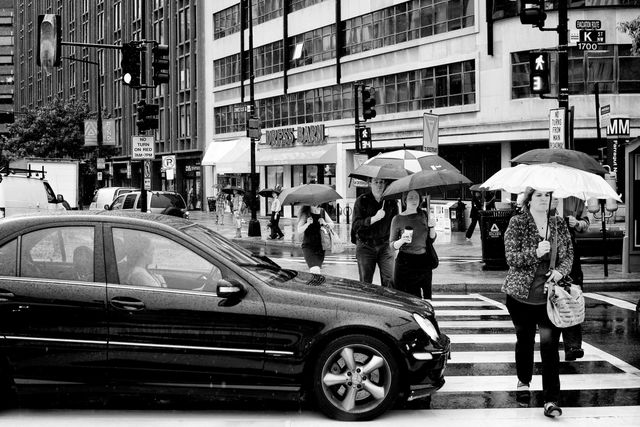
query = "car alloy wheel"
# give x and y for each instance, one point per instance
(356, 378)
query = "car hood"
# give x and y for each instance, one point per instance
(355, 290)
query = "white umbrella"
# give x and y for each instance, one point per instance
(562, 181)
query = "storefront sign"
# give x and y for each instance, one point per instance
(306, 135)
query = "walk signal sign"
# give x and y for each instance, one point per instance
(363, 139)
(539, 72)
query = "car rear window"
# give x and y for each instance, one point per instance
(167, 200)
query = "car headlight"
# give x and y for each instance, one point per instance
(426, 326)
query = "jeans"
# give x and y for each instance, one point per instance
(525, 317)
(368, 256)
(275, 228)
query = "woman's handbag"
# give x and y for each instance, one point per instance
(565, 302)
(433, 255)
(325, 238)
(337, 245)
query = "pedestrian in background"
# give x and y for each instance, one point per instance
(527, 242)
(310, 223)
(575, 214)
(276, 207)
(370, 232)
(476, 207)
(411, 232)
(220, 206)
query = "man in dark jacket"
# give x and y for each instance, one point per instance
(371, 225)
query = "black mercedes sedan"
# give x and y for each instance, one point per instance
(113, 302)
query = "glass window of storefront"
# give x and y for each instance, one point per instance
(509, 8)
(612, 67)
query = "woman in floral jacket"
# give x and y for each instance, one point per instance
(528, 245)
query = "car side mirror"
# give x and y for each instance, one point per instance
(230, 289)
(107, 207)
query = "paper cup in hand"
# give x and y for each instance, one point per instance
(408, 231)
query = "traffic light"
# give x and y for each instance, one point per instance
(539, 72)
(368, 102)
(532, 12)
(160, 64)
(147, 116)
(49, 41)
(130, 64)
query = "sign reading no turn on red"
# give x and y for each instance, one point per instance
(142, 148)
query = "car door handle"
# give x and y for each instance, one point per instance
(129, 304)
(6, 295)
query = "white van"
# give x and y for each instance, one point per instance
(105, 195)
(22, 192)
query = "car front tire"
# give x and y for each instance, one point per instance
(356, 378)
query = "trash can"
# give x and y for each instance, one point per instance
(456, 215)
(211, 201)
(493, 224)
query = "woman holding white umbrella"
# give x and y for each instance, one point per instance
(528, 252)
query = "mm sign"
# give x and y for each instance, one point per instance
(142, 147)
(619, 127)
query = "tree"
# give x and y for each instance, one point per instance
(632, 28)
(54, 130)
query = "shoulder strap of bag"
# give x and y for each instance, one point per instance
(554, 245)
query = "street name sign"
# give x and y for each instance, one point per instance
(142, 148)
(591, 39)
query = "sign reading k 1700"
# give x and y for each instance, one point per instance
(591, 39)
(142, 148)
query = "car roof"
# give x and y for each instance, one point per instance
(16, 223)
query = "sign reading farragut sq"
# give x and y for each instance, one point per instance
(305, 135)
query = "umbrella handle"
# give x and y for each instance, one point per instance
(546, 232)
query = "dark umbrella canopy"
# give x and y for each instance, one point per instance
(308, 194)
(268, 192)
(561, 156)
(230, 189)
(423, 181)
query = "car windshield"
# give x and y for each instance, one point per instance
(164, 200)
(260, 266)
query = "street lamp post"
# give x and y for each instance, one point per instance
(254, 224)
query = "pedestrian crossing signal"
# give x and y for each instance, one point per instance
(539, 72)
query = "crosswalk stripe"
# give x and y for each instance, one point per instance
(569, 382)
(475, 324)
(612, 301)
(437, 303)
(504, 357)
(472, 312)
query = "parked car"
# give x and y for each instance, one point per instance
(214, 320)
(25, 191)
(105, 195)
(161, 202)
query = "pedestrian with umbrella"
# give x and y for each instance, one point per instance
(412, 234)
(370, 232)
(526, 247)
(476, 207)
(527, 243)
(312, 219)
(575, 214)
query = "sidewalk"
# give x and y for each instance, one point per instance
(453, 251)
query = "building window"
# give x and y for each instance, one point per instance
(509, 8)
(312, 47)
(612, 67)
(442, 86)
(301, 4)
(226, 22)
(406, 21)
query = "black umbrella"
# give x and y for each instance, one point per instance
(561, 156)
(231, 189)
(423, 180)
(308, 194)
(268, 192)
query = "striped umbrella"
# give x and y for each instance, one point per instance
(399, 163)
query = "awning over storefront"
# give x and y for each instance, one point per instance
(232, 156)
(298, 155)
